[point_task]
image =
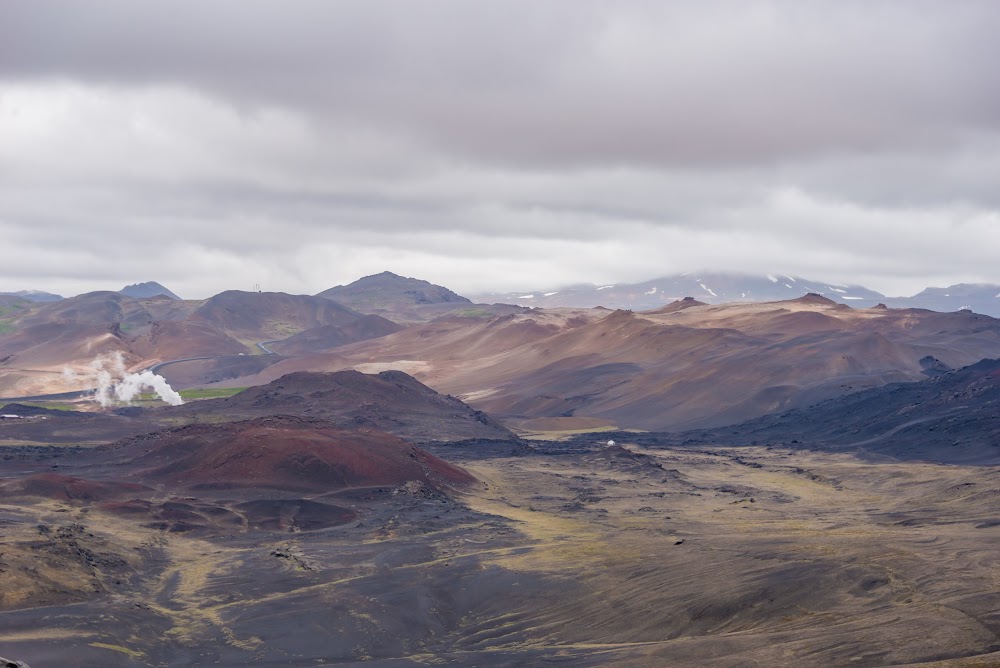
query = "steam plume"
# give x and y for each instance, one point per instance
(113, 383)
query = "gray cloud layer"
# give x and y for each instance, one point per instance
(496, 145)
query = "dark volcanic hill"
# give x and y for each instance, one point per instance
(951, 417)
(391, 401)
(147, 289)
(280, 452)
(396, 297)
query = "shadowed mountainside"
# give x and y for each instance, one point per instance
(953, 417)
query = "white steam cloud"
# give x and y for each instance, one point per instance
(113, 383)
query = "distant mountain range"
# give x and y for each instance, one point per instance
(34, 295)
(137, 290)
(686, 364)
(405, 299)
(722, 287)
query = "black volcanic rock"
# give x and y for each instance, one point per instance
(932, 366)
(815, 298)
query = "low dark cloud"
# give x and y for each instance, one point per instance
(502, 145)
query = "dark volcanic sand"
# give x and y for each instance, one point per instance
(674, 557)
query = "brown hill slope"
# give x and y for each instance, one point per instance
(259, 316)
(711, 365)
(325, 337)
(38, 341)
(174, 339)
(41, 341)
(71, 327)
(436, 350)
(696, 366)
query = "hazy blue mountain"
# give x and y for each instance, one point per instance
(147, 289)
(708, 287)
(979, 297)
(35, 295)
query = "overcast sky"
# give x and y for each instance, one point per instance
(509, 145)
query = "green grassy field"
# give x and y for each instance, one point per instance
(210, 392)
(193, 394)
(471, 313)
(53, 405)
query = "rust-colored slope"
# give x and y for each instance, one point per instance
(282, 452)
(68, 488)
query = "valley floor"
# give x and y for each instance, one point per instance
(568, 556)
